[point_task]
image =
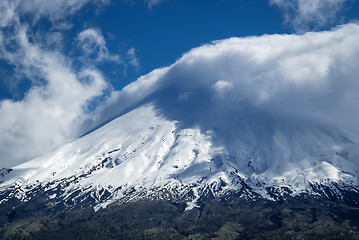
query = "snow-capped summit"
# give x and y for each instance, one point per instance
(142, 154)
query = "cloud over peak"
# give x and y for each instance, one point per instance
(310, 77)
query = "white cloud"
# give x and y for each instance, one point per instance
(50, 114)
(152, 3)
(304, 14)
(56, 106)
(10, 10)
(222, 85)
(94, 47)
(131, 54)
(310, 77)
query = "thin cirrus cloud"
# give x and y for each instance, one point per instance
(152, 3)
(93, 44)
(133, 60)
(304, 15)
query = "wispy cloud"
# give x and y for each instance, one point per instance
(133, 60)
(94, 47)
(53, 10)
(304, 15)
(152, 3)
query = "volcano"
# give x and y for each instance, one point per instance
(204, 129)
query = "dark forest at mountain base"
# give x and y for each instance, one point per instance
(234, 218)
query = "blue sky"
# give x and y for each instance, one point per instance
(63, 63)
(162, 34)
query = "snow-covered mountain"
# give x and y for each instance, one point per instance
(142, 154)
(227, 118)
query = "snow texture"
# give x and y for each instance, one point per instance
(143, 151)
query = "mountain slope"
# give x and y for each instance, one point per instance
(141, 154)
(269, 117)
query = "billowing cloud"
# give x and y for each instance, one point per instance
(306, 78)
(304, 15)
(57, 104)
(51, 113)
(47, 117)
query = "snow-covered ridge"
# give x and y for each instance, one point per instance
(145, 153)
